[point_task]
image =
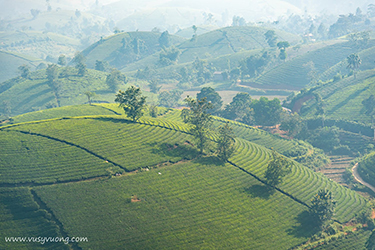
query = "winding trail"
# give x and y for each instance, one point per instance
(358, 178)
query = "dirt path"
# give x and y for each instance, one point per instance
(359, 179)
(336, 169)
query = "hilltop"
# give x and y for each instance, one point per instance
(126, 47)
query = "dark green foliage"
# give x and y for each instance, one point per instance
(283, 45)
(132, 102)
(282, 54)
(325, 138)
(238, 108)
(199, 117)
(267, 112)
(81, 67)
(353, 61)
(164, 40)
(61, 60)
(51, 72)
(212, 97)
(225, 143)
(78, 58)
(154, 85)
(169, 99)
(255, 64)
(271, 38)
(90, 95)
(24, 70)
(114, 79)
(370, 243)
(101, 65)
(322, 207)
(277, 168)
(292, 123)
(169, 56)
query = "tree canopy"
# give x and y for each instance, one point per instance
(277, 168)
(225, 143)
(212, 96)
(198, 116)
(132, 101)
(322, 206)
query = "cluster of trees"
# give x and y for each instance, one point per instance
(253, 112)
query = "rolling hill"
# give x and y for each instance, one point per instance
(126, 47)
(26, 95)
(39, 44)
(155, 192)
(294, 75)
(343, 98)
(10, 61)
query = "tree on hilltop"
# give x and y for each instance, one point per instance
(271, 38)
(212, 96)
(132, 101)
(90, 95)
(198, 116)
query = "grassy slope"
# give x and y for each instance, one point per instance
(21, 216)
(108, 49)
(187, 206)
(39, 44)
(366, 168)
(9, 63)
(234, 196)
(26, 95)
(229, 40)
(292, 73)
(344, 98)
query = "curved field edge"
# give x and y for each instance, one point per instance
(301, 183)
(185, 206)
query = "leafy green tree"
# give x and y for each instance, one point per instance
(213, 97)
(292, 123)
(154, 86)
(169, 56)
(283, 45)
(82, 70)
(353, 62)
(78, 58)
(90, 95)
(225, 143)
(277, 168)
(267, 112)
(62, 60)
(24, 70)
(164, 40)
(237, 109)
(132, 101)
(101, 65)
(320, 108)
(271, 38)
(322, 206)
(198, 116)
(169, 99)
(326, 138)
(52, 71)
(114, 79)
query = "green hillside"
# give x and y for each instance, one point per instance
(26, 95)
(118, 54)
(173, 199)
(39, 44)
(294, 75)
(189, 32)
(229, 40)
(21, 216)
(343, 99)
(10, 61)
(366, 168)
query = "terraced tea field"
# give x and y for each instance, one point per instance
(186, 206)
